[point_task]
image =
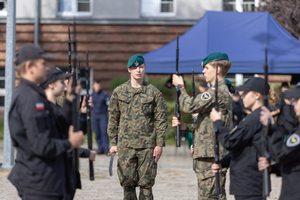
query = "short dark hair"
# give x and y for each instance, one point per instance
(97, 81)
(285, 84)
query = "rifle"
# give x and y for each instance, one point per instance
(69, 47)
(177, 99)
(193, 118)
(266, 180)
(216, 135)
(75, 100)
(88, 114)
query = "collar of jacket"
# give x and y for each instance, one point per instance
(219, 83)
(33, 86)
(131, 89)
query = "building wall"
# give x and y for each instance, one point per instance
(109, 46)
(118, 9)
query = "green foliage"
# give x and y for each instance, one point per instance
(169, 96)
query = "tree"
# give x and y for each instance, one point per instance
(286, 13)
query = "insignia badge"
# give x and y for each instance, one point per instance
(205, 96)
(39, 106)
(232, 131)
(212, 89)
(293, 140)
(136, 63)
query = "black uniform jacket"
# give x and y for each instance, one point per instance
(40, 162)
(73, 177)
(244, 144)
(285, 149)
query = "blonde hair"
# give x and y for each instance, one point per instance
(224, 64)
(273, 96)
(21, 67)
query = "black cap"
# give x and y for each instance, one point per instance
(254, 84)
(292, 93)
(30, 52)
(52, 75)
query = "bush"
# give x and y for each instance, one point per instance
(168, 95)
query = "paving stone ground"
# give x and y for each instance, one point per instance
(175, 179)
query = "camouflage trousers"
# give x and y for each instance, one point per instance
(207, 181)
(136, 168)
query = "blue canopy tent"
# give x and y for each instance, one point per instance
(241, 35)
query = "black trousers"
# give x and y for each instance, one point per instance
(250, 197)
(39, 197)
(25, 196)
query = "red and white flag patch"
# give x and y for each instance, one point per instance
(40, 106)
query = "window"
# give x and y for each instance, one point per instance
(247, 5)
(3, 7)
(158, 8)
(74, 7)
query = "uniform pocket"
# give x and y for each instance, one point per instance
(147, 103)
(124, 101)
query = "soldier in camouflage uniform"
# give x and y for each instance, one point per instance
(203, 128)
(136, 109)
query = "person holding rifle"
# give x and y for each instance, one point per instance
(39, 169)
(137, 127)
(54, 86)
(244, 144)
(203, 128)
(284, 148)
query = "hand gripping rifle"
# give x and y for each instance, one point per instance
(88, 114)
(266, 180)
(216, 135)
(177, 99)
(75, 122)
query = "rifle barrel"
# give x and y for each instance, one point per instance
(75, 100)
(216, 135)
(69, 52)
(266, 178)
(88, 115)
(177, 99)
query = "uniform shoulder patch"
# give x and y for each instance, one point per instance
(293, 140)
(205, 96)
(232, 131)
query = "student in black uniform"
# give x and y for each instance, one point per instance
(285, 149)
(244, 144)
(54, 86)
(38, 172)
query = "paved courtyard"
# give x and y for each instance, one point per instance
(175, 179)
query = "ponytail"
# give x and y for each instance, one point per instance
(273, 96)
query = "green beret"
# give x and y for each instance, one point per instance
(136, 60)
(213, 57)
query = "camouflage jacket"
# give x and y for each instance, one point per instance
(204, 128)
(133, 115)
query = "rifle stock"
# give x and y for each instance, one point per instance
(216, 136)
(177, 99)
(266, 180)
(88, 115)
